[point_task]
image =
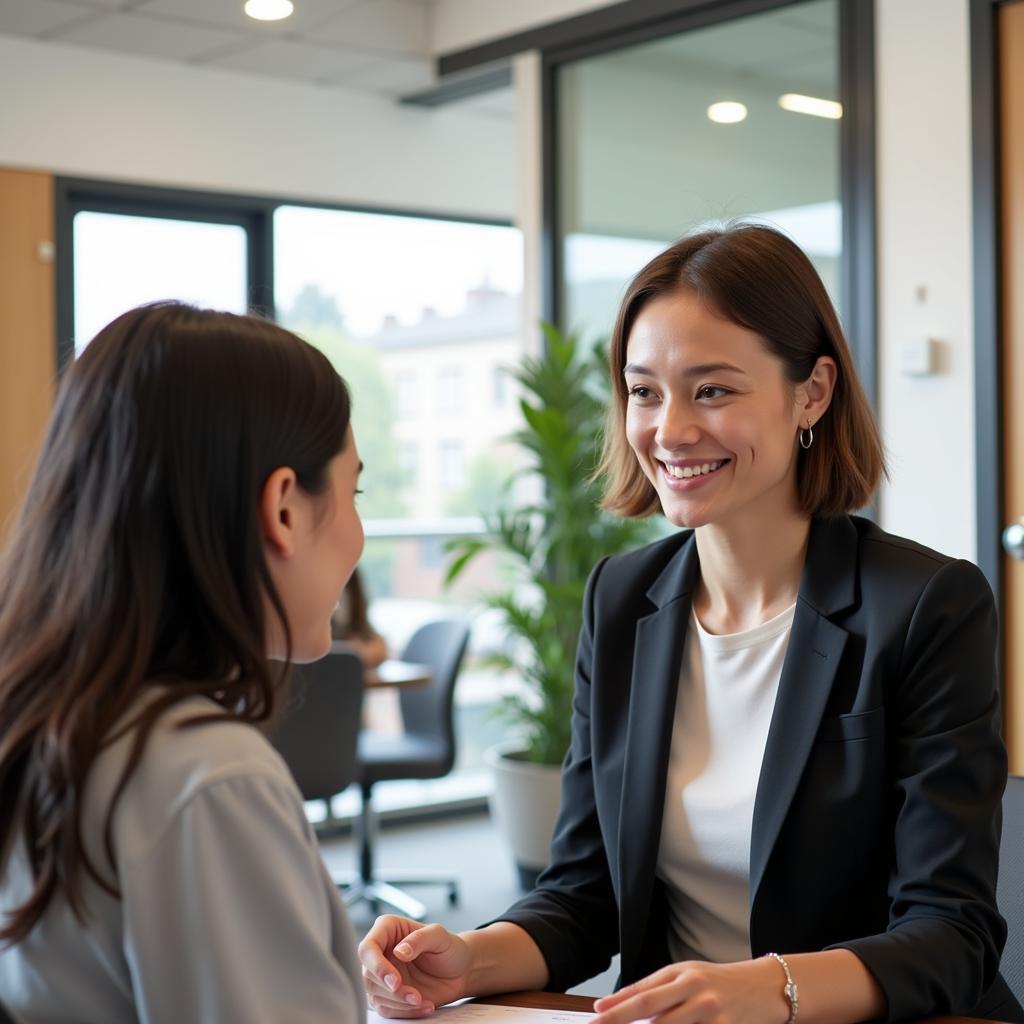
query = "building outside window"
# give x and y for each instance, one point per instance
(452, 465)
(406, 394)
(501, 382)
(408, 462)
(449, 391)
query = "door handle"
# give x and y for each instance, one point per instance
(1013, 539)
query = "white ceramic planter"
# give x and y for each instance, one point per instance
(524, 804)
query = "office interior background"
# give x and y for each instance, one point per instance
(415, 184)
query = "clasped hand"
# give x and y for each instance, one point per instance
(410, 969)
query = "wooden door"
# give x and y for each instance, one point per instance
(27, 344)
(1010, 27)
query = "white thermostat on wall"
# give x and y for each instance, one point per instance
(919, 357)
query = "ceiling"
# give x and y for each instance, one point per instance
(375, 46)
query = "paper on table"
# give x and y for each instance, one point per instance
(490, 1013)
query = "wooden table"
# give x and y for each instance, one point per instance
(396, 673)
(585, 1004)
(392, 673)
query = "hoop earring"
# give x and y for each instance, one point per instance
(806, 442)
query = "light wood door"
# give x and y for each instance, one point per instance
(27, 345)
(1010, 27)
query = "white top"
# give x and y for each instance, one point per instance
(227, 912)
(727, 689)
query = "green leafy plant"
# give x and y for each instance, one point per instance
(552, 544)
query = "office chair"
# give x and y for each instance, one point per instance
(424, 750)
(318, 732)
(1010, 889)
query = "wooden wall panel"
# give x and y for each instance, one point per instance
(1011, 98)
(27, 347)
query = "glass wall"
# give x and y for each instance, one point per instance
(740, 119)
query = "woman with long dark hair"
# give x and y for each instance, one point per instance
(782, 798)
(186, 533)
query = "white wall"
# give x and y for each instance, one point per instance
(924, 232)
(97, 114)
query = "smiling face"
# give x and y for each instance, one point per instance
(710, 416)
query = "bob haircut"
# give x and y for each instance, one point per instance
(759, 279)
(137, 562)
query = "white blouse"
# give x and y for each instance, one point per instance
(727, 690)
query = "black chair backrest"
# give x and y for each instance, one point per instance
(1010, 891)
(5, 1017)
(428, 710)
(318, 732)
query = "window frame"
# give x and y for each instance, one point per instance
(255, 214)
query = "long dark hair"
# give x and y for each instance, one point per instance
(137, 558)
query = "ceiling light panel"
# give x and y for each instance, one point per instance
(797, 103)
(307, 16)
(727, 112)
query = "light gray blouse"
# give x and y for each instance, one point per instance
(227, 913)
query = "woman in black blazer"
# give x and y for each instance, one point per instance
(869, 816)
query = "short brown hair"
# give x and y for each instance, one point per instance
(759, 279)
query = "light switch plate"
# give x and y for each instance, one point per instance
(919, 357)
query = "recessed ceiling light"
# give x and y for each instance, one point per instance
(812, 105)
(727, 112)
(269, 10)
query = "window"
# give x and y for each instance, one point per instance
(500, 379)
(405, 394)
(414, 312)
(449, 391)
(452, 465)
(408, 462)
(121, 261)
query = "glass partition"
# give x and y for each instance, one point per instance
(736, 120)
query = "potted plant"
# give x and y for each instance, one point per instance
(550, 545)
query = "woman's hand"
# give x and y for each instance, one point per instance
(750, 992)
(410, 969)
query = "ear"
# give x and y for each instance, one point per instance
(814, 395)
(278, 512)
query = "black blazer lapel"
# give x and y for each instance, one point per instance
(812, 658)
(655, 683)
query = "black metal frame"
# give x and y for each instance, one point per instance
(609, 28)
(988, 396)
(639, 21)
(253, 213)
(75, 195)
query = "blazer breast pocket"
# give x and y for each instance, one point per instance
(860, 726)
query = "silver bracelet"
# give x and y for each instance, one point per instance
(789, 989)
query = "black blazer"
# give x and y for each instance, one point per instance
(877, 817)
